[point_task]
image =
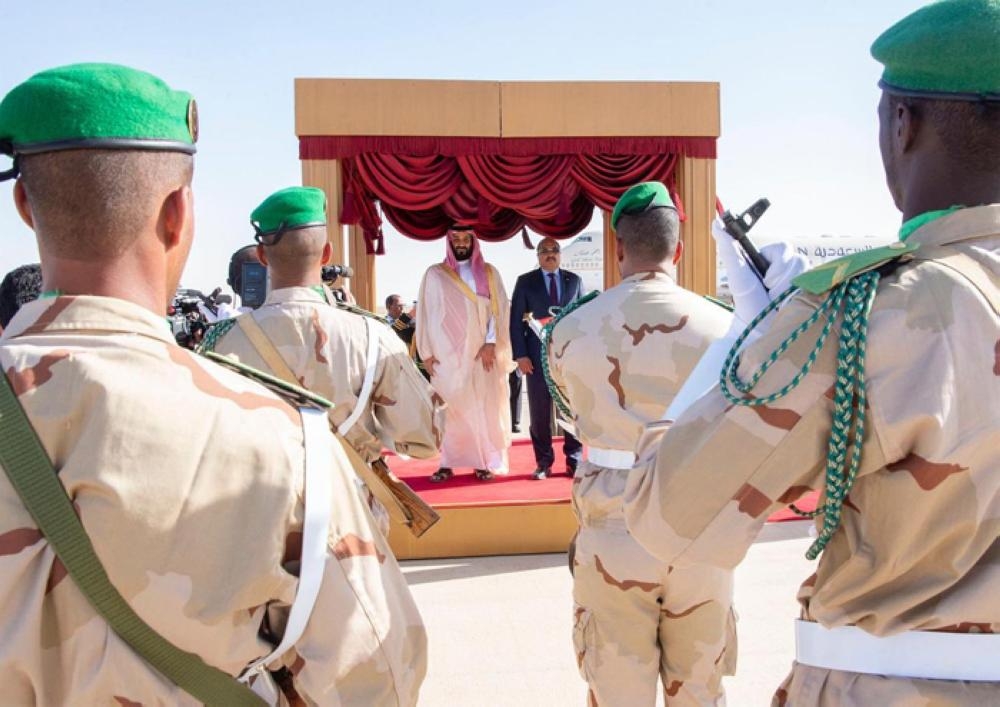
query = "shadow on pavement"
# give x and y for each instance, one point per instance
(437, 570)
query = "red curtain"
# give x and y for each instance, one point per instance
(497, 193)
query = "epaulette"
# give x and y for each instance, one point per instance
(354, 309)
(827, 276)
(214, 333)
(299, 397)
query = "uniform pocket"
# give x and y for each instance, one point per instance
(583, 637)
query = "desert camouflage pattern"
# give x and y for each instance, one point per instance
(326, 347)
(918, 546)
(188, 479)
(620, 359)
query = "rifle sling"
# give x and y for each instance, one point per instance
(31, 473)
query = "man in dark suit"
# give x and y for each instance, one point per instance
(536, 292)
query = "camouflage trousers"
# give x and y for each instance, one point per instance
(808, 686)
(636, 620)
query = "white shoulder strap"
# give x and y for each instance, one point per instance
(371, 360)
(320, 450)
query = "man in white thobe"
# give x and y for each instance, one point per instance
(464, 341)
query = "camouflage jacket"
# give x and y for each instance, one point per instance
(188, 480)
(918, 544)
(326, 347)
(621, 358)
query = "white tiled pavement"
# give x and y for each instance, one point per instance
(499, 627)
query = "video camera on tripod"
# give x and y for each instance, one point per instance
(191, 313)
(332, 273)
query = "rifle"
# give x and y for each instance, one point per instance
(400, 501)
(739, 226)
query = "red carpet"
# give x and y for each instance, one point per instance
(517, 488)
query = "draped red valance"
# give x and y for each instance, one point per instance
(498, 186)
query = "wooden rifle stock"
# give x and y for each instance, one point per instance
(406, 506)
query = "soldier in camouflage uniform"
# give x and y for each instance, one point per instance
(619, 360)
(187, 478)
(327, 347)
(911, 544)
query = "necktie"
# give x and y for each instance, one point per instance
(553, 293)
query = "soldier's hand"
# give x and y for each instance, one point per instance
(488, 355)
(786, 265)
(524, 365)
(429, 364)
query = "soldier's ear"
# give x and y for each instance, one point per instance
(23, 207)
(906, 124)
(262, 255)
(176, 216)
(327, 253)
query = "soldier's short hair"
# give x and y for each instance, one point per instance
(298, 247)
(20, 286)
(91, 205)
(968, 130)
(390, 299)
(651, 236)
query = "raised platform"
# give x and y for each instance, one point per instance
(510, 515)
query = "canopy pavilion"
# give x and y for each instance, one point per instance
(502, 156)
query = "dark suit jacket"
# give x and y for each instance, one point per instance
(531, 294)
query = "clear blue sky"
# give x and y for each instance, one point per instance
(798, 92)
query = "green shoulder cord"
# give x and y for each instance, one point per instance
(214, 333)
(31, 474)
(560, 400)
(854, 299)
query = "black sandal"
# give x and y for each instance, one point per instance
(484, 474)
(442, 474)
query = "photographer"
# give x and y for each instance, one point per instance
(20, 286)
(242, 260)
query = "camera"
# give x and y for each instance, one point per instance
(191, 313)
(330, 273)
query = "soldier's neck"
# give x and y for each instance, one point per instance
(629, 268)
(943, 185)
(142, 283)
(280, 281)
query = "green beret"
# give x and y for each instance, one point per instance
(640, 198)
(286, 210)
(946, 50)
(100, 106)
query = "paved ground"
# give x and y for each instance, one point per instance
(499, 627)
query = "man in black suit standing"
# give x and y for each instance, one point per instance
(536, 292)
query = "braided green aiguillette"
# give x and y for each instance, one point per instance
(854, 300)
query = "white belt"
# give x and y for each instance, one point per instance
(611, 458)
(932, 655)
(371, 360)
(321, 452)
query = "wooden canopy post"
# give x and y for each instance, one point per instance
(612, 275)
(696, 184)
(325, 174)
(362, 283)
